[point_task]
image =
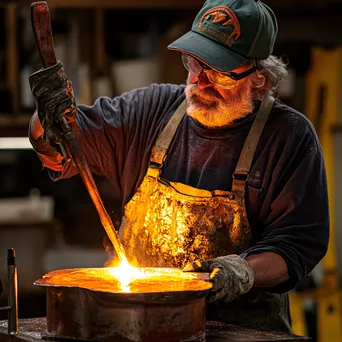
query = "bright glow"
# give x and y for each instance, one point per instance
(145, 277)
(12, 143)
(126, 273)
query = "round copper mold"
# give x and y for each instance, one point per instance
(91, 304)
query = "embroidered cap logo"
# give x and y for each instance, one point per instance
(224, 16)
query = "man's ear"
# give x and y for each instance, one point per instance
(261, 80)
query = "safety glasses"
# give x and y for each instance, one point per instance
(226, 80)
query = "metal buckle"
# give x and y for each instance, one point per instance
(241, 176)
(154, 170)
(154, 165)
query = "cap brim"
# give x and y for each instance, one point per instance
(208, 51)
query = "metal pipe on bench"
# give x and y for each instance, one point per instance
(12, 293)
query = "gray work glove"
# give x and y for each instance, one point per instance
(230, 275)
(55, 102)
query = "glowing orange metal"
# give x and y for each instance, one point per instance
(127, 279)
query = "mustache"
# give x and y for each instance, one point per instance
(207, 92)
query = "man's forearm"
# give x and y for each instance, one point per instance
(270, 269)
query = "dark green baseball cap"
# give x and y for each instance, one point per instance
(227, 33)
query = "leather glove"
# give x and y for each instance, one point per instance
(55, 102)
(230, 275)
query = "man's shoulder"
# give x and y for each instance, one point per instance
(288, 114)
(158, 91)
(291, 121)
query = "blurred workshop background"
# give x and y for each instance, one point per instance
(111, 46)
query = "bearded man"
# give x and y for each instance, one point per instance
(216, 175)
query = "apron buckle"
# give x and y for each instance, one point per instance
(241, 176)
(154, 169)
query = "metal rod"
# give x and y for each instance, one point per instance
(106, 221)
(12, 293)
(41, 25)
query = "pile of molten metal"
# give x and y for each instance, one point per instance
(127, 279)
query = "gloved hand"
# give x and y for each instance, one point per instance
(55, 102)
(49, 157)
(231, 276)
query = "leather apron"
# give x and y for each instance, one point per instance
(169, 224)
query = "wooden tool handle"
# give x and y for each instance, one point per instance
(41, 26)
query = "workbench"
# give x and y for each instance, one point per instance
(32, 330)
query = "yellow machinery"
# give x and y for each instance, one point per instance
(323, 108)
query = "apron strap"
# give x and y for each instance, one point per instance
(161, 147)
(241, 173)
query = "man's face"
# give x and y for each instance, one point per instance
(214, 106)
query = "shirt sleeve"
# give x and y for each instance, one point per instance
(105, 132)
(116, 134)
(295, 213)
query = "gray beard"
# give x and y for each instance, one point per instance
(212, 111)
